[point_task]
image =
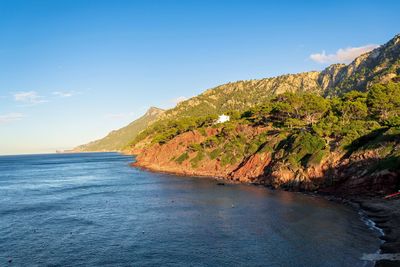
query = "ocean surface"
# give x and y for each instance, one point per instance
(95, 210)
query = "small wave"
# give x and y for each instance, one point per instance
(67, 221)
(370, 223)
(80, 187)
(377, 257)
(39, 207)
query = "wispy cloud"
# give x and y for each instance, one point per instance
(178, 99)
(30, 97)
(65, 93)
(343, 55)
(10, 117)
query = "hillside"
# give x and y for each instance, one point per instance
(299, 141)
(380, 65)
(119, 139)
(337, 130)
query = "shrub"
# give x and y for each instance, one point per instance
(215, 153)
(197, 159)
(184, 156)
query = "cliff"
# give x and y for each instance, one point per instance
(371, 168)
(301, 141)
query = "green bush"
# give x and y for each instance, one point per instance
(197, 159)
(303, 147)
(184, 156)
(215, 153)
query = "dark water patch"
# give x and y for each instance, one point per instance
(29, 208)
(75, 221)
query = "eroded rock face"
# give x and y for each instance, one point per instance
(251, 169)
(336, 173)
(165, 157)
(353, 176)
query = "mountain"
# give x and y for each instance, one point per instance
(244, 94)
(337, 130)
(119, 139)
(379, 65)
(299, 141)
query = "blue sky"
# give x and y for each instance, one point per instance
(71, 71)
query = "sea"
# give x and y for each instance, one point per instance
(94, 209)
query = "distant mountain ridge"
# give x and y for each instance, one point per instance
(117, 140)
(377, 66)
(380, 65)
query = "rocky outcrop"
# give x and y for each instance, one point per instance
(338, 172)
(380, 65)
(252, 168)
(165, 158)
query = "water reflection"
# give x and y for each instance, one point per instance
(99, 211)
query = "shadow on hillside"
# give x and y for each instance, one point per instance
(355, 175)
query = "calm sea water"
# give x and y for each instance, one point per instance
(96, 210)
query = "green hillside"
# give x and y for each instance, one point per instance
(381, 65)
(294, 140)
(119, 139)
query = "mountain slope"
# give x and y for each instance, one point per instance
(299, 137)
(349, 144)
(244, 94)
(119, 139)
(379, 65)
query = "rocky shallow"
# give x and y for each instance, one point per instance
(385, 213)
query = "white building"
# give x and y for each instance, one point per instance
(223, 118)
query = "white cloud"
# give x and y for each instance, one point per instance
(179, 99)
(10, 117)
(30, 97)
(343, 55)
(65, 93)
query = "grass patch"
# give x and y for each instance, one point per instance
(184, 156)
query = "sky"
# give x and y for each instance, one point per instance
(71, 71)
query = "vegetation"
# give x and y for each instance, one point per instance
(120, 139)
(164, 130)
(299, 129)
(242, 99)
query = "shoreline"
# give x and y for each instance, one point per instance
(385, 217)
(384, 213)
